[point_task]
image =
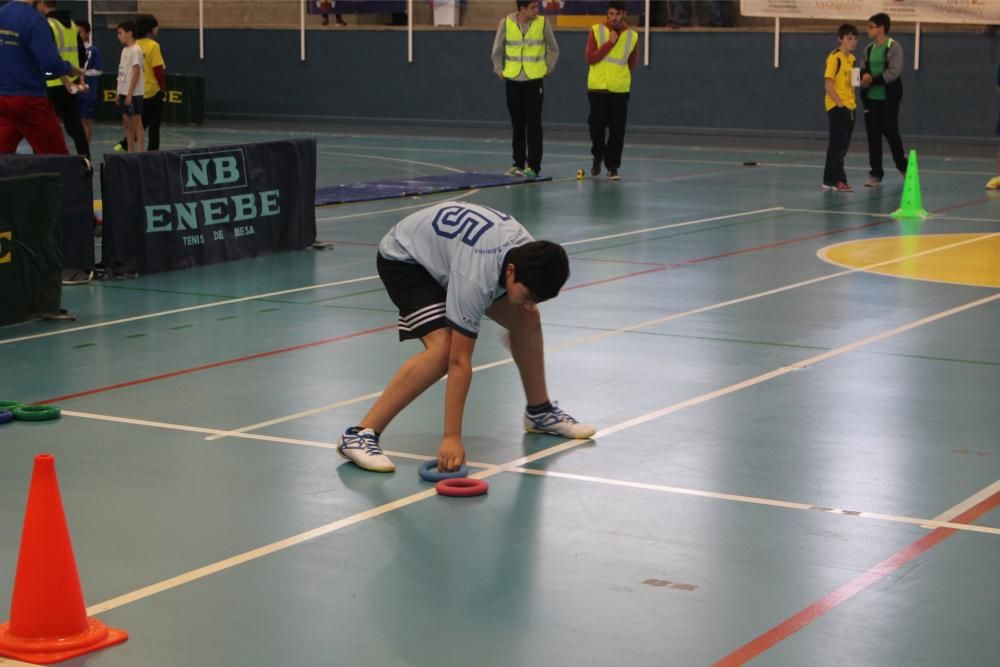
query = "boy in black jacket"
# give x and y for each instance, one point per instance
(881, 93)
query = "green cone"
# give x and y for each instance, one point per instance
(911, 206)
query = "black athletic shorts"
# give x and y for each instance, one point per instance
(420, 299)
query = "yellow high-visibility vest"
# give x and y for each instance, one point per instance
(526, 51)
(66, 45)
(612, 73)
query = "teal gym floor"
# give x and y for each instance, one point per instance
(797, 463)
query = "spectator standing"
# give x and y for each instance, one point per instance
(154, 75)
(92, 69)
(524, 52)
(881, 94)
(26, 53)
(611, 54)
(130, 86)
(841, 105)
(62, 97)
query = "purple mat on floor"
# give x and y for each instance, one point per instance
(425, 185)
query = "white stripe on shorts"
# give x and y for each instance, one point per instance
(423, 312)
(429, 317)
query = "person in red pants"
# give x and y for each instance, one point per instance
(26, 51)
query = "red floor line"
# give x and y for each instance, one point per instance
(831, 600)
(981, 200)
(217, 364)
(577, 258)
(373, 245)
(699, 260)
(325, 341)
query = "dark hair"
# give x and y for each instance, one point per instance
(84, 25)
(617, 4)
(144, 25)
(524, 3)
(127, 26)
(541, 266)
(882, 20)
(845, 30)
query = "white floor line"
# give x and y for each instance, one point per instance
(674, 225)
(812, 164)
(423, 204)
(163, 313)
(499, 141)
(965, 505)
(632, 327)
(246, 436)
(935, 217)
(926, 523)
(306, 288)
(334, 526)
(298, 415)
(391, 159)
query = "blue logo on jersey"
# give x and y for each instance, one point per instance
(451, 221)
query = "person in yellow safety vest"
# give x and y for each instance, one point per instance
(62, 93)
(612, 49)
(524, 52)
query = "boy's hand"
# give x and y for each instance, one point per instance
(128, 100)
(451, 454)
(613, 37)
(866, 80)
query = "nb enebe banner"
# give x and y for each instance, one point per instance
(925, 11)
(167, 210)
(30, 261)
(76, 202)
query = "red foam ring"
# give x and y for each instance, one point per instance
(461, 487)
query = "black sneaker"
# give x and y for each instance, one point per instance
(595, 169)
(613, 175)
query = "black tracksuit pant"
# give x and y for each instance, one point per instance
(524, 102)
(841, 128)
(608, 114)
(67, 108)
(882, 119)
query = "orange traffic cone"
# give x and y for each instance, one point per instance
(48, 619)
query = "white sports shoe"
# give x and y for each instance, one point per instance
(557, 422)
(360, 445)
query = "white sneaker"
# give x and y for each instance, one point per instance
(360, 445)
(557, 422)
(873, 182)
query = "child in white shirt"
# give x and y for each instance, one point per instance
(130, 86)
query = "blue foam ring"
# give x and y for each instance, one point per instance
(429, 472)
(6, 416)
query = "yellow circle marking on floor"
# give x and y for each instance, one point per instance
(976, 263)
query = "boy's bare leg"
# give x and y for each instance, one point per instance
(140, 139)
(526, 345)
(127, 122)
(413, 378)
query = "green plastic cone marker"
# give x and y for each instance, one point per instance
(911, 206)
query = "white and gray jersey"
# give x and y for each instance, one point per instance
(462, 246)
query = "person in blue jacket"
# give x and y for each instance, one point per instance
(27, 50)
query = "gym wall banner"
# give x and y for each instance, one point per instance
(166, 210)
(984, 12)
(76, 217)
(30, 266)
(184, 103)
